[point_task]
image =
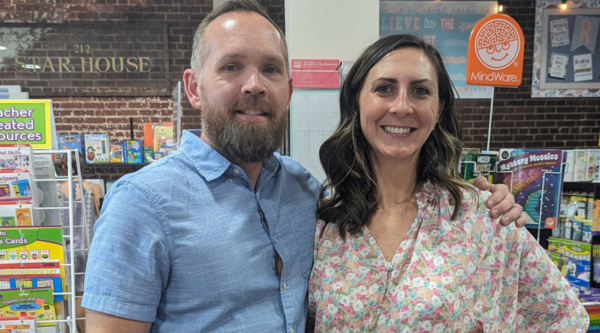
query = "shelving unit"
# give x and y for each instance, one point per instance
(583, 187)
(70, 292)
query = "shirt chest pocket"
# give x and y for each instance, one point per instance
(303, 223)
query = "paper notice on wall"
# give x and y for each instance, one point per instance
(559, 32)
(558, 65)
(582, 67)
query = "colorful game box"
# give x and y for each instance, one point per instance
(535, 178)
(116, 153)
(479, 164)
(593, 165)
(163, 139)
(133, 152)
(69, 141)
(148, 155)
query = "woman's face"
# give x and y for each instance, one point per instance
(399, 104)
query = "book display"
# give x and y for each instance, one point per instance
(158, 142)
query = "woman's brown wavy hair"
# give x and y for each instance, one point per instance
(345, 156)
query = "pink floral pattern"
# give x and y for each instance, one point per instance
(467, 275)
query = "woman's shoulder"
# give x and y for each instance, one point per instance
(482, 229)
(473, 199)
(327, 230)
(472, 217)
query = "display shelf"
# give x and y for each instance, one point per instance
(581, 186)
(70, 320)
(116, 164)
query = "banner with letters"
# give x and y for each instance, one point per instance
(446, 25)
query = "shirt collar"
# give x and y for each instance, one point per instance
(209, 162)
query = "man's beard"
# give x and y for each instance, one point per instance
(244, 142)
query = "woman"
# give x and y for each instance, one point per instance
(404, 244)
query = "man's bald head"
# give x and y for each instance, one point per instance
(199, 51)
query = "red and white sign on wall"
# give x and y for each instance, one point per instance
(495, 56)
(316, 73)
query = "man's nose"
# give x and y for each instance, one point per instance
(253, 83)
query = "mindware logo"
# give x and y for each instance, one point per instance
(495, 56)
(497, 44)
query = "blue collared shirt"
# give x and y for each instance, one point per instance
(182, 243)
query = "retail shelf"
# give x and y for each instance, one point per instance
(115, 164)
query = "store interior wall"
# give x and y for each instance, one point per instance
(518, 121)
(79, 115)
(349, 29)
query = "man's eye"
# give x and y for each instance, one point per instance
(229, 68)
(271, 70)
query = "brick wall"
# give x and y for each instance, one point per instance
(111, 114)
(520, 121)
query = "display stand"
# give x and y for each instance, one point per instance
(70, 320)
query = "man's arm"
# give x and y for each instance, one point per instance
(500, 202)
(98, 322)
(131, 286)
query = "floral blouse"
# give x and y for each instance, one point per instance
(467, 275)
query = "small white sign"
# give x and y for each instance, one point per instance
(582, 67)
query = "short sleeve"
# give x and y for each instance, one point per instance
(128, 265)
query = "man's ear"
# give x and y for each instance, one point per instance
(192, 88)
(291, 86)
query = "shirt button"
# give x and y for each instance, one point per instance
(275, 239)
(231, 180)
(284, 286)
(236, 171)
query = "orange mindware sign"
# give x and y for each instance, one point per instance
(495, 56)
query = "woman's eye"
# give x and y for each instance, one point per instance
(383, 89)
(422, 91)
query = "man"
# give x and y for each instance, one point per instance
(219, 235)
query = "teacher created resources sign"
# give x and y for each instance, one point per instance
(26, 122)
